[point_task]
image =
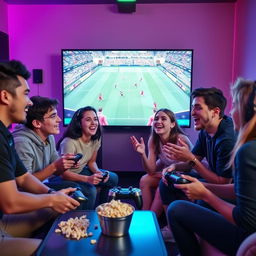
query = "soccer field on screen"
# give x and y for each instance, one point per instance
(128, 95)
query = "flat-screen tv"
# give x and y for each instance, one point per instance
(126, 87)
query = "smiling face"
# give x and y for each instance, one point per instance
(20, 102)
(162, 123)
(50, 123)
(89, 123)
(201, 114)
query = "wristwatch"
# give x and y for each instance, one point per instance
(192, 163)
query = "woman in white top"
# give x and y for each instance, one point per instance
(83, 136)
(164, 129)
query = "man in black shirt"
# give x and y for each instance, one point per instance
(215, 142)
(25, 209)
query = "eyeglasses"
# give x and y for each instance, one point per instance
(52, 116)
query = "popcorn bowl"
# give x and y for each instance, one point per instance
(115, 226)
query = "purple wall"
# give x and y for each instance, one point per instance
(3, 17)
(245, 53)
(38, 32)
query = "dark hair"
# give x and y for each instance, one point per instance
(175, 131)
(8, 75)
(41, 105)
(213, 98)
(74, 129)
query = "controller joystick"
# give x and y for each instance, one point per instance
(126, 193)
(175, 178)
(79, 196)
(77, 157)
(104, 175)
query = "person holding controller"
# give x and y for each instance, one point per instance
(233, 221)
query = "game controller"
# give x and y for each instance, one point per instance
(175, 178)
(77, 157)
(78, 195)
(126, 193)
(104, 175)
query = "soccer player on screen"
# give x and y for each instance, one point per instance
(100, 97)
(102, 117)
(151, 118)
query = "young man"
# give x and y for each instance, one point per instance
(25, 209)
(215, 142)
(35, 144)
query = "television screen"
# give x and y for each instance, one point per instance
(126, 87)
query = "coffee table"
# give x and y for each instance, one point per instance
(144, 238)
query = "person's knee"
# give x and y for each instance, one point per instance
(145, 181)
(177, 209)
(113, 179)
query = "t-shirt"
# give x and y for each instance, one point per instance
(10, 163)
(217, 149)
(75, 146)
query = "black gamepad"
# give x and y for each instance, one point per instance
(175, 178)
(77, 157)
(126, 193)
(104, 175)
(79, 196)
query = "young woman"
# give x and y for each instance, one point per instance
(83, 136)
(164, 129)
(231, 223)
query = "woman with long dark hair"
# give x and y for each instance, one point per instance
(164, 129)
(83, 136)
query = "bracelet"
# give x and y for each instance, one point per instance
(50, 191)
(192, 163)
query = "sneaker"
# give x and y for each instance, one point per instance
(167, 235)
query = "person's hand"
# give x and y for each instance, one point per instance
(101, 173)
(138, 146)
(178, 152)
(64, 163)
(165, 170)
(194, 190)
(95, 178)
(61, 202)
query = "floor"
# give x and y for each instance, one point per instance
(127, 179)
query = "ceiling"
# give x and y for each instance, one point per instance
(112, 1)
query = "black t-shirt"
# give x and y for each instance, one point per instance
(10, 163)
(217, 149)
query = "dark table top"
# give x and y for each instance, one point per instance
(144, 238)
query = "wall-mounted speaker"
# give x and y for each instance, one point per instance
(37, 76)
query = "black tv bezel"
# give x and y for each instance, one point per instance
(116, 49)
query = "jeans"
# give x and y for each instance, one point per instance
(187, 219)
(104, 187)
(170, 193)
(58, 183)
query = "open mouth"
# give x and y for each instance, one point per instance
(92, 128)
(196, 121)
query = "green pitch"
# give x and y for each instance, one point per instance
(127, 94)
